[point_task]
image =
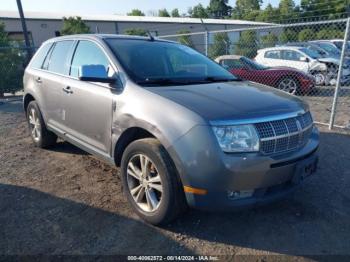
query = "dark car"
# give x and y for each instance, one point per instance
(287, 79)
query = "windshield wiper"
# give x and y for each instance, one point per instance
(220, 79)
(184, 81)
(162, 81)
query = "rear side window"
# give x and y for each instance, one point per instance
(40, 56)
(291, 55)
(88, 53)
(272, 54)
(58, 59)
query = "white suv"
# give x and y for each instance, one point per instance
(303, 59)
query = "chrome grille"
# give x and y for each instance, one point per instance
(284, 135)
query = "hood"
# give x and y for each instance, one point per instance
(231, 101)
(329, 60)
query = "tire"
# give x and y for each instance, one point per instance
(41, 137)
(289, 85)
(160, 207)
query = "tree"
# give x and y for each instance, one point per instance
(330, 33)
(268, 14)
(163, 13)
(269, 40)
(322, 9)
(286, 10)
(11, 65)
(306, 35)
(185, 39)
(74, 25)
(198, 11)
(175, 13)
(218, 8)
(136, 31)
(244, 7)
(220, 46)
(136, 12)
(288, 35)
(247, 44)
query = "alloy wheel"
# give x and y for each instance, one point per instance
(34, 124)
(144, 183)
(288, 85)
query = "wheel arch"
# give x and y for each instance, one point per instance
(126, 138)
(26, 100)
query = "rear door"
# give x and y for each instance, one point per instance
(89, 105)
(51, 81)
(272, 58)
(293, 59)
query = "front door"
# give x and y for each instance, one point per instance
(89, 105)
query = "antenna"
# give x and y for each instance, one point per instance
(150, 35)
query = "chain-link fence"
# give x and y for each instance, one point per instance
(13, 61)
(304, 59)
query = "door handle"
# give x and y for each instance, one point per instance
(67, 90)
(38, 80)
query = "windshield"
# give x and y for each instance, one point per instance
(339, 44)
(253, 64)
(311, 53)
(165, 63)
(329, 48)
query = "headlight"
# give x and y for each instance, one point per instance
(240, 138)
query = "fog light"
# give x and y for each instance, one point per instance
(233, 195)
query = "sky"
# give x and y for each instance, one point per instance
(120, 7)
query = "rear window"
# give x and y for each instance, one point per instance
(40, 56)
(58, 59)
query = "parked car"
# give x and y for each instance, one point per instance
(183, 129)
(339, 44)
(326, 50)
(287, 79)
(304, 59)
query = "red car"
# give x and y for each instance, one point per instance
(284, 78)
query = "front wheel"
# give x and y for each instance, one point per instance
(151, 183)
(289, 85)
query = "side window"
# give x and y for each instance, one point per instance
(233, 63)
(273, 54)
(88, 53)
(40, 56)
(58, 57)
(291, 55)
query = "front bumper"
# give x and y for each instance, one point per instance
(265, 178)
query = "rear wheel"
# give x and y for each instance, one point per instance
(40, 135)
(289, 85)
(151, 183)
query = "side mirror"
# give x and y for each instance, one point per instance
(304, 59)
(95, 73)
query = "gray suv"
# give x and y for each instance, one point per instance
(184, 131)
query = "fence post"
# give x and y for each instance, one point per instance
(206, 43)
(340, 72)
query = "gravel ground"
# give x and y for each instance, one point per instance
(64, 201)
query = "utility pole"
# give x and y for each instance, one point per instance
(24, 28)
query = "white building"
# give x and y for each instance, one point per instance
(42, 26)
